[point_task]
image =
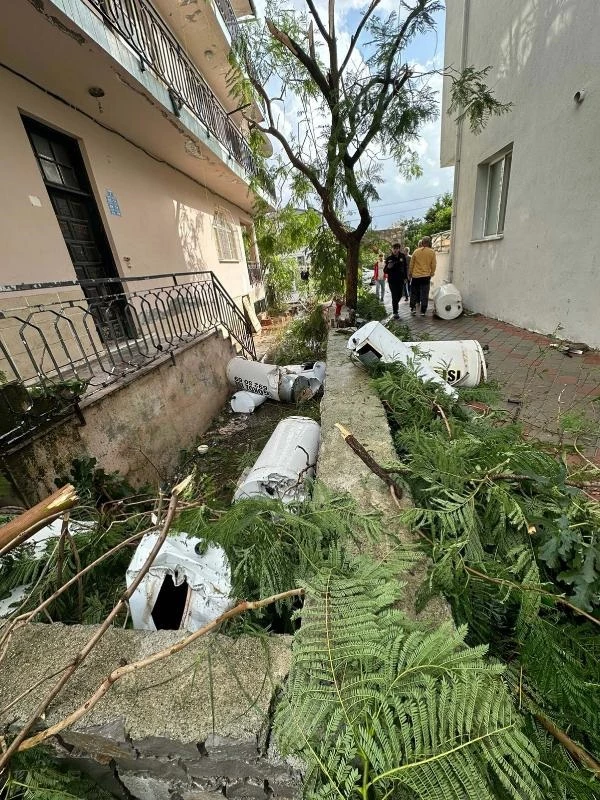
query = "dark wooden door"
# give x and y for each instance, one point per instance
(68, 187)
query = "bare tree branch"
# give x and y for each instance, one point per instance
(317, 19)
(19, 529)
(127, 669)
(357, 33)
(303, 57)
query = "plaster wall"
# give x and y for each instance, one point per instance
(166, 221)
(137, 428)
(544, 272)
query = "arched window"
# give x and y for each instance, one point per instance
(226, 233)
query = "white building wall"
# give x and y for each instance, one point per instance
(544, 272)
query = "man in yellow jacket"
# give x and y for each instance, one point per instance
(422, 270)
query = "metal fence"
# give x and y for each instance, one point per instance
(441, 241)
(54, 353)
(230, 19)
(137, 22)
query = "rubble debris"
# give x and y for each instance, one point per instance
(186, 587)
(286, 462)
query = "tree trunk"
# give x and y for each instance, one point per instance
(352, 266)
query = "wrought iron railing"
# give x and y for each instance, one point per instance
(255, 273)
(229, 18)
(53, 354)
(137, 22)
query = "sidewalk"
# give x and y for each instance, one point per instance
(555, 391)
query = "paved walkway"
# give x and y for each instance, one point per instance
(556, 392)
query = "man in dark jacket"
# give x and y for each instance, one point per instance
(396, 269)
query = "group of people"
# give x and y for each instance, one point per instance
(408, 275)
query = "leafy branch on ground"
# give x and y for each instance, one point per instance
(508, 527)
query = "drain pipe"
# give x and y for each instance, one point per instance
(459, 139)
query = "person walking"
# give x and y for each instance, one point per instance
(397, 272)
(407, 281)
(379, 277)
(422, 270)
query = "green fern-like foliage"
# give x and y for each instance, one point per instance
(272, 547)
(43, 572)
(504, 548)
(35, 775)
(376, 708)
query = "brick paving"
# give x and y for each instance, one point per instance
(548, 383)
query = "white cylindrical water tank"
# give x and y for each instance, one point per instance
(183, 589)
(314, 373)
(313, 370)
(253, 376)
(246, 402)
(373, 342)
(266, 379)
(460, 362)
(287, 460)
(447, 302)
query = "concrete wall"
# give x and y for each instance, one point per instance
(341, 470)
(545, 269)
(155, 736)
(138, 427)
(442, 271)
(166, 218)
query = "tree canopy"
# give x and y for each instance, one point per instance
(279, 235)
(436, 219)
(357, 101)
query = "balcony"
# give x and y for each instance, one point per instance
(95, 334)
(138, 24)
(229, 18)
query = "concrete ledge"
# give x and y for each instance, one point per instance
(351, 401)
(161, 732)
(136, 427)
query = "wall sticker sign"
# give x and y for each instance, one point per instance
(113, 204)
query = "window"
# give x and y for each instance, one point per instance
(227, 236)
(491, 195)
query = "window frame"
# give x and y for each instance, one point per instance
(482, 196)
(224, 226)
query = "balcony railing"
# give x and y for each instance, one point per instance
(53, 354)
(255, 273)
(137, 22)
(229, 18)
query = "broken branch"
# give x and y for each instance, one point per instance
(440, 411)
(527, 588)
(71, 668)
(127, 669)
(574, 749)
(367, 459)
(21, 528)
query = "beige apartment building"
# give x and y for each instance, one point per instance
(123, 153)
(126, 232)
(526, 189)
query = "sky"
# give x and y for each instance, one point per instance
(399, 198)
